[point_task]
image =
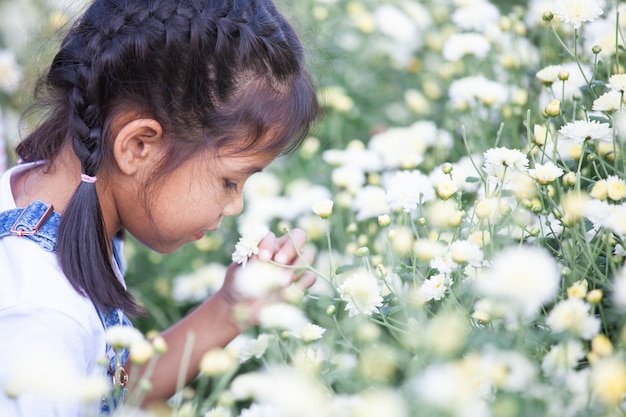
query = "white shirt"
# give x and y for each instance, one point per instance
(43, 320)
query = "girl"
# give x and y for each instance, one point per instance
(157, 112)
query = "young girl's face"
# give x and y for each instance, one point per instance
(191, 201)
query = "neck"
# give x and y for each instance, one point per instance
(54, 183)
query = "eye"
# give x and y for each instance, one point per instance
(230, 186)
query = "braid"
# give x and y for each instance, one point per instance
(213, 73)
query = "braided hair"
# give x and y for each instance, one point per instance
(212, 73)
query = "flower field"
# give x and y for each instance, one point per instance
(465, 194)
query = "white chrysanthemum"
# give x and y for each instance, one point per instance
(376, 402)
(464, 251)
(310, 332)
(349, 178)
(444, 264)
(576, 12)
(302, 195)
(463, 44)
(282, 316)
(499, 162)
(50, 376)
(619, 289)
(545, 173)
(427, 249)
(10, 72)
(370, 201)
(247, 386)
(524, 277)
(583, 130)
(248, 245)
(563, 357)
(246, 347)
(468, 91)
(120, 336)
(434, 288)
(608, 380)
(217, 361)
(362, 293)
(475, 15)
(260, 278)
(507, 369)
(444, 214)
(198, 285)
(549, 75)
(407, 189)
(605, 215)
(323, 208)
(615, 188)
(617, 82)
(573, 315)
(262, 184)
(610, 101)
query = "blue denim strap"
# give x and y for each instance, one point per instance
(23, 222)
(38, 222)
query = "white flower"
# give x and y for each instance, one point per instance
(262, 184)
(462, 44)
(545, 173)
(323, 208)
(577, 12)
(609, 101)
(260, 278)
(563, 357)
(246, 347)
(468, 91)
(198, 285)
(466, 251)
(434, 288)
(499, 161)
(370, 202)
(582, 130)
(507, 369)
(10, 72)
(573, 315)
(524, 277)
(217, 361)
(348, 177)
(282, 316)
(120, 336)
(407, 189)
(619, 289)
(219, 411)
(549, 75)
(475, 15)
(617, 82)
(310, 332)
(608, 380)
(362, 293)
(248, 245)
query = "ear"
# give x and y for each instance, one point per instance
(137, 144)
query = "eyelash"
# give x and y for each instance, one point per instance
(230, 185)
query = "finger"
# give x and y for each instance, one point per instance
(289, 245)
(305, 281)
(267, 247)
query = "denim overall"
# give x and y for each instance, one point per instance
(39, 223)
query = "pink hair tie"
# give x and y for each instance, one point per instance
(87, 178)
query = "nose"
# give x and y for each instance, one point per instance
(234, 206)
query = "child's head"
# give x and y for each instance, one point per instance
(226, 76)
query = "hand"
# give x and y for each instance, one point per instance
(281, 251)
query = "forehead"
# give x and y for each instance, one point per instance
(245, 163)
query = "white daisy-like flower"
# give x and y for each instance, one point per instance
(501, 161)
(582, 130)
(463, 44)
(362, 292)
(349, 178)
(434, 288)
(10, 72)
(545, 173)
(576, 12)
(310, 332)
(198, 285)
(120, 336)
(608, 380)
(282, 316)
(370, 201)
(466, 92)
(619, 289)
(563, 357)
(248, 245)
(610, 101)
(407, 189)
(549, 75)
(464, 251)
(323, 208)
(574, 315)
(524, 277)
(260, 278)
(617, 82)
(475, 15)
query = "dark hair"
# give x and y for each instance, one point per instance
(221, 74)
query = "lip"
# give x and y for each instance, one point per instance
(198, 235)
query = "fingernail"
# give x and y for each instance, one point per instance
(281, 258)
(265, 255)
